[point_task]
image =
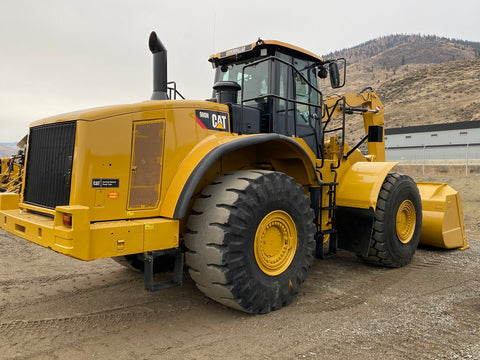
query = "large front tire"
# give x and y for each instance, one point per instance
(250, 240)
(397, 223)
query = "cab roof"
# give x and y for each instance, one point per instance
(252, 50)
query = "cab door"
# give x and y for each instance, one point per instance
(297, 110)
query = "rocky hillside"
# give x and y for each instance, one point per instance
(421, 79)
(440, 93)
(394, 51)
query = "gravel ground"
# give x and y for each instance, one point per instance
(55, 307)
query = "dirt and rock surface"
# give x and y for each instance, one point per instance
(55, 307)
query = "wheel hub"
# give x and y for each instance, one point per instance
(275, 242)
(405, 221)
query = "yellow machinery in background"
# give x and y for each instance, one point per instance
(11, 169)
(250, 185)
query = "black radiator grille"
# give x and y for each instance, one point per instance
(49, 164)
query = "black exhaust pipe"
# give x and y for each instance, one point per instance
(159, 67)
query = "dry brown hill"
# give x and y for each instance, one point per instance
(440, 93)
(398, 50)
(420, 79)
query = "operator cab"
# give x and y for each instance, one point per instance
(273, 87)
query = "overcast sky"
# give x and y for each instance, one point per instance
(58, 56)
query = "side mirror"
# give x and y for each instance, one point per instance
(337, 70)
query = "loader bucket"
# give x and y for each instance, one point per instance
(442, 225)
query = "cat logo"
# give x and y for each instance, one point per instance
(212, 120)
(219, 121)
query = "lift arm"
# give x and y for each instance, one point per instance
(369, 105)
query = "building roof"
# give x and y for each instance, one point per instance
(434, 127)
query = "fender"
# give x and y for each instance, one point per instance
(202, 157)
(361, 184)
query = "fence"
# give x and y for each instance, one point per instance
(467, 155)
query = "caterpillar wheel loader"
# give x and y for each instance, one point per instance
(250, 185)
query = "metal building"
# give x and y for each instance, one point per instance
(459, 142)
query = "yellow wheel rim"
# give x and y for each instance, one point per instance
(405, 221)
(275, 243)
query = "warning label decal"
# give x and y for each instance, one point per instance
(105, 183)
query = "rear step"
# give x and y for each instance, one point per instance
(149, 259)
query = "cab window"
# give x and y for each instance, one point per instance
(256, 82)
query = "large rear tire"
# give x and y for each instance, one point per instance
(397, 223)
(250, 240)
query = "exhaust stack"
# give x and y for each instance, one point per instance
(159, 67)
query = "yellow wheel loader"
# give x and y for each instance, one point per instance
(250, 184)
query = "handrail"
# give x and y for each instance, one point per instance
(174, 91)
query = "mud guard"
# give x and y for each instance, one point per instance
(356, 201)
(354, 229)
